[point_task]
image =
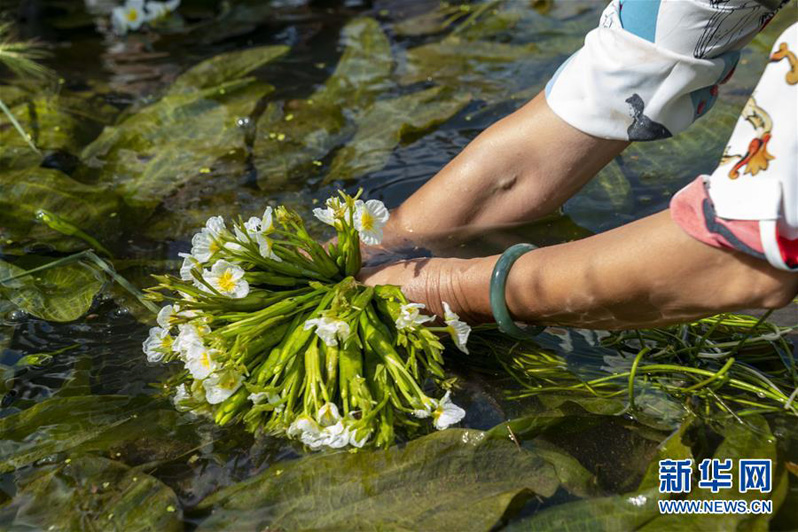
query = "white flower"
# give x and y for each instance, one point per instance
(301, 425)
(165, 316)
(221, 385)
(458, 329)
(410, 316)
(205, 243)
(158, 344)
(330, 431)
(354, 442)
(256, 230)
(128, 17)
(326, 216)
(336, 210)
(190, 263)
(181, 396)
(370, 218)
(189, 336)
(328, 415)
(227, 279)
(156, 10)
(201, 361)
(335, 436)
(328, 329)
(447, 413)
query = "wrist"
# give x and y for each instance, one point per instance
(465, 285)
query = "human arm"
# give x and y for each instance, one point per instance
(521, 168)
(647, 72)
(647, 273)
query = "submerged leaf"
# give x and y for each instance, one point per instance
(62, 293)
(616, 512)
(25, 192)
(57, 425)
(93, 493)
(54, 122)
(291, 137)
(133, 427)
(491, 71)
(384, 125)
(225, 67)
(451, 480)
(154, 151)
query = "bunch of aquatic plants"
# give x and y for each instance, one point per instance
(730, 364)
(275, 332)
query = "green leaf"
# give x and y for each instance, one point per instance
(57, 425)
(63, 293)
(136, 428)
(616, 512)
(181, 137)
(92, 207)
(225, 67)
(291, 137)
(491, 71)
(93, 493)
(451, 480)
(387, 122)
(54, 122)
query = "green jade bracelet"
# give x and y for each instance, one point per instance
(498, 302)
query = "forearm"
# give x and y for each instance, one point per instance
(647, 273)
(521, 168)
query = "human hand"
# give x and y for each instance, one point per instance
(462, 283)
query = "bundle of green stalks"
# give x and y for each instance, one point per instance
(734, 364)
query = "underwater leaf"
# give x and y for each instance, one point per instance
(384, 125)
(26, 191)
(57, 425)
(179, 138)
(450, 480)
(364, 68)
(617, 512)
(491, 71)
(62, 293)
(93, 493)
(291, 137)
(225, 67)
(133, 428)
(54, 122)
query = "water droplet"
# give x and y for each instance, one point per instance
(17, 315)
(243, 122)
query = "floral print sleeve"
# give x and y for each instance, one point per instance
(652, 67)
(750, 202)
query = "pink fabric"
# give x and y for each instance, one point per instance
(692, 209)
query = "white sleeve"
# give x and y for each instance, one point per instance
(652, 67)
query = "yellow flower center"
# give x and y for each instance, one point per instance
(166, 343)
(366, 221)
(213, 247)
(205, 360)
(132, 14)
(226, 281)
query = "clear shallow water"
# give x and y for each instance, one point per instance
(191, 459)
